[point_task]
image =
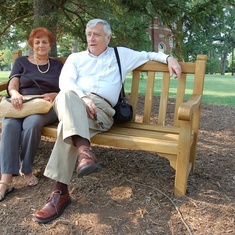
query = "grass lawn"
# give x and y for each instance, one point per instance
(4, 76)
(217, 89)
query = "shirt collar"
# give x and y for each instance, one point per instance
(94, 56)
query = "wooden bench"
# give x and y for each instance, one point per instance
(172, 131)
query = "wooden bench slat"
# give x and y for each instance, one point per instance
(3, 86)
(164, 99)
(137, 143)
(179, 97)
(156, 128)
(187, 67)
(144, 133)
(148, 102)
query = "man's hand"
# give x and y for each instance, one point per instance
(90, 107)
(49, 96)
(174, 67)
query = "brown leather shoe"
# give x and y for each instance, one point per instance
(54, 207)
(87, 163)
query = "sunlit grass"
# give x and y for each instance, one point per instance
(4, 75)
(218, 89)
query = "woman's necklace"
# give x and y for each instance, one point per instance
(40, 69)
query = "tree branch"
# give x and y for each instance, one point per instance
(16, 20)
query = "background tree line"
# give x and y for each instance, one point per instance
(202, 26)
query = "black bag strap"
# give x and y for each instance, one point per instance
(26, 100)
(122, 92)
(19, 75)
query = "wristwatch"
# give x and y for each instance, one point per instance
(167, 58)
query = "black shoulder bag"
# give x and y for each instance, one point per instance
(124, 111)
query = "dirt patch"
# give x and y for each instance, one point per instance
(133, 193)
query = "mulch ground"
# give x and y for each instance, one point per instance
(133, 193)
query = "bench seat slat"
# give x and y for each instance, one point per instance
(143, 133)
(142, 126)
(135, 142)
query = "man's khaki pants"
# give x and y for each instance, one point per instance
(73, 120)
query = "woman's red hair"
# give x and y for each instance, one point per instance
(39, 33)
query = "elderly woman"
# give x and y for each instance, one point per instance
(21, 136)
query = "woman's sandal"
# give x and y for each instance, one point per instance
(32, 181)
(10, 188)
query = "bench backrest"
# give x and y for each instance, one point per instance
(161, 99)
(170, 98)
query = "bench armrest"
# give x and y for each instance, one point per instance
(190, 107)
(3, 86)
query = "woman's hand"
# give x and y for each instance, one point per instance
(13, 90)
(90, 107)
(17, 101)
(49, 96)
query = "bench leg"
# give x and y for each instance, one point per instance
(183, 164)
(195, 138)
(193, 153)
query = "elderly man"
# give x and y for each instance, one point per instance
(90, 86)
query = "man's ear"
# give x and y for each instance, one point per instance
(109, 38)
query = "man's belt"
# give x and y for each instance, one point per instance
(102, 98)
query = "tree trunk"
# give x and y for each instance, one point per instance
(223, 62)
(75, 45)
(45, 15)
(232, 62)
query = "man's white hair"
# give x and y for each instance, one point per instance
(106, 25)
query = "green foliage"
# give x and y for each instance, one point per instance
(202, 26)
(67, 19)
(213, 66)
(5, 59)
(129, 28)
(15, 20)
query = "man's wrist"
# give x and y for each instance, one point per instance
(84, 97)
(168, 58)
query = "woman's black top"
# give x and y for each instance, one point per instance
(48, 82)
